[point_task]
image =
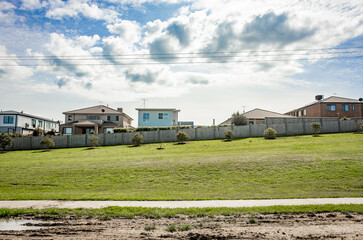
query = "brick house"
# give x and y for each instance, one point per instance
(333, 106)
(100, 119)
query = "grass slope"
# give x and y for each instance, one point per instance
(288, 167)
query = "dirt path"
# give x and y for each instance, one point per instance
(40, 204)
(268, 226)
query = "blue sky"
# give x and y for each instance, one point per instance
(208, 58)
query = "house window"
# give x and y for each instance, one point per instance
(250, 123)
(8, 119)
(108, 130)
(67, 131)
(330, 107)
(163, 115)
(145, 117)
(113, 118)
(69, 117)
(299, 114)
(47, 124)
(34, 122)
(304, 112)
(93, 117)
(40, 124)
(345, 107)
(353, 107)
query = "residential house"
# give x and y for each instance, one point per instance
(333, 106)
(257, 116)
(157, 117)
(100, 119)
(20, 122)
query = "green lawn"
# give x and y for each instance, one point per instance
(288, 167)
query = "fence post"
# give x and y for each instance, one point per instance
(304, 127)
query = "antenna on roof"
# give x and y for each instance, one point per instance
(335, 94)
(144, 99)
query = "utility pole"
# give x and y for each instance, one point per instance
(244, 109)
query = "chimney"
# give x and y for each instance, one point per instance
(319, 97)
(119, 109)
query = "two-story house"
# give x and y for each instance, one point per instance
(100, 119)
(333, 106)
(20, 122)
(157, 117)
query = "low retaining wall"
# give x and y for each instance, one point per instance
(283, 126)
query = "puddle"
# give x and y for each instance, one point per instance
(19, 225)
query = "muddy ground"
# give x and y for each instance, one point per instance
(267, 226)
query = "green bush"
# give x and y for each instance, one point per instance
(182, 137)
(38, 132)
(120, 130)
(137, 139)
(5, 141)
(359, 127)
(239, 119)
(47, 143)
(16, 135)
(93, 140)
(51, 132)
(270, 133)
(228, 134)
(316, 128)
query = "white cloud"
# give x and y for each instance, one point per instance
(127, 30)
(73, 8)
(33, 4)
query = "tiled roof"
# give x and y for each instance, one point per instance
(100, 109)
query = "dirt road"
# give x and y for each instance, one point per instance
(266, 226)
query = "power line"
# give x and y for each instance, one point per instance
(192, 62)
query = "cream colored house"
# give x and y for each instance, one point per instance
(100, 119)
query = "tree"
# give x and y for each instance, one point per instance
(228, 134)
(316, 128)
(270, 133)
(93, 140)
(5, 141)
(47, 143)
(238, 119)
(38, 132)
(137, 139)
(182, 137)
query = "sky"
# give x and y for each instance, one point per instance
(208, 58)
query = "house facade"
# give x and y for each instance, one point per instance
(20, 122)
(257, 116)
(333, 106)
(157, 117)
(99, 119)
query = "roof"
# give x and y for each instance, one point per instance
(99, 109)
(157, 109)
(258, 113)
(11, 112)
(331, 99)
(94, 110)
(85, 123)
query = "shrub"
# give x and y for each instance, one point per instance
(47, 143)
(137, 139)
(16, 135)
(270, 133)
(359, 127)
(119, 130)
(92, 132)
(239, 119)
(94, 141)
(316, 128)
(38, 132)
(344, 118)
(182, 137)
(51, 132)
(5, 141)
(228, 134)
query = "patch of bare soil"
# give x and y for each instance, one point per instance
(269, 226)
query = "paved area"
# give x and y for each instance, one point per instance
(40, 204)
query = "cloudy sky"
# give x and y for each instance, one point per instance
(208, 58)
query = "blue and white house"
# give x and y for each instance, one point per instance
(13, 121)
(157, 117)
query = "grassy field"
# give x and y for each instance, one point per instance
(288, 167)
(130, 212)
